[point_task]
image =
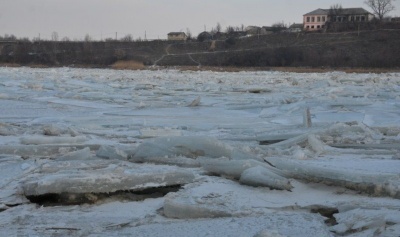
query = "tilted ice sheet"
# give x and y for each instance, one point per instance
(101, 176)
(217, 197)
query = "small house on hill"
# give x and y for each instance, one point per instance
(266, 30)
(236, 34)
(204, 36)
(177, 36)
(295, 28)
(253, 30)
(395, 19)
(316, 20)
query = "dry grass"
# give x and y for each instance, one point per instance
(9, 65)
(128, 65)
(35, 65)
(135, 65)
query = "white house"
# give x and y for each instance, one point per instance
(177, 36)
(316, 20)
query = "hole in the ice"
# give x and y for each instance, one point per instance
(53, 199)
(327, 212)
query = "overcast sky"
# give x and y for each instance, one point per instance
(103, 18)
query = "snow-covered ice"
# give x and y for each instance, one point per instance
(97, 152)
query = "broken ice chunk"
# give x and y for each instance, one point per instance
(234, 168)
(159, 132)
(183, 207)
(37, 140)
(316, 144)
(259, 176)
(195, 102)
(112, 153)
(376, 183)
(178, 161)
(100, 176)
(269, 233)
(51, 130)
(249, 172)
(82, 154)
(364, 219)
(6, 130)
(187, 146)
(3, 207)
(307, 118)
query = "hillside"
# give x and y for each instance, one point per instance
(380, 48)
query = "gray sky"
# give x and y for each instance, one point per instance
(102, 18)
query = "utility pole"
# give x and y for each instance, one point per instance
(116, 36)
(145, 35)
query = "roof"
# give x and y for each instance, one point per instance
(295, 25)
(343, 11)
(319, 11)
(176, 33)
(205, 33)
(354, 11)
(252, 28)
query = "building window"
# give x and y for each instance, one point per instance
(308, 19)
(352, 18)
(312, 27)
(318, 19)
(323, 19)
(362, 18)
(312, 19)
(357, 18)
(308, 27)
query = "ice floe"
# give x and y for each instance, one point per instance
(97, 152)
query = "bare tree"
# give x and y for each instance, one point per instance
(334, 11)
(279, 25)
(9, 37)
(188, 34)
(88, 38)
(127, 38)
(54, 36)
(218, 27)
(380, 7)
(65, 39)
(24, 39)
(229, 29)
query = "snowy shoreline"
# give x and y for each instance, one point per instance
(226, 69)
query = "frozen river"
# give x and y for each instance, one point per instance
(95, 152)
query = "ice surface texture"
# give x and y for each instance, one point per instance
(65, 130)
